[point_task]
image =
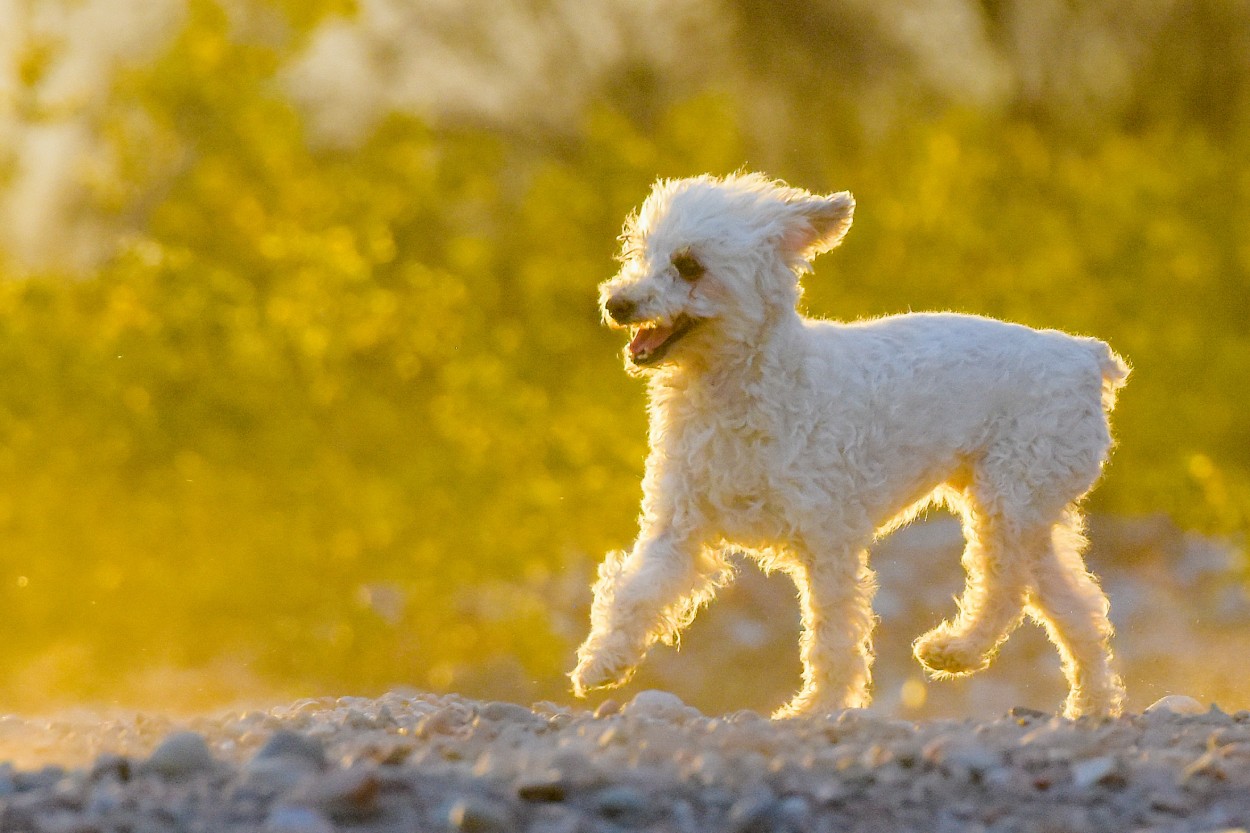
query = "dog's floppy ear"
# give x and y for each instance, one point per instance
(816, 223)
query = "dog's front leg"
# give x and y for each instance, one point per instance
(835, 599)
(638, 600)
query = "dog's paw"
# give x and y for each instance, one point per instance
(602, 669)
(1099, 697)
(815, 704)
(947, 655)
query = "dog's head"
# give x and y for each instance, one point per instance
(710, 262)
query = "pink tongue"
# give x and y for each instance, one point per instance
(648, 339)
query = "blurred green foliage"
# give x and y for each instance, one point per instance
(340, 419)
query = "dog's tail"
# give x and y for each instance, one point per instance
(1114, 369)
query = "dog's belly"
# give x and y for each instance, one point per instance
(764, 506)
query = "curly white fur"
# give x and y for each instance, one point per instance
(798, 441)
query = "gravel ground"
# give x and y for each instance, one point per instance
(421, 762)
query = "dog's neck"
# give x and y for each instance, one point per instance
(735, 371)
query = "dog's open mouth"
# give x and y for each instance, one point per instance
(651, 342)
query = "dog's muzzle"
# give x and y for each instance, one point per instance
(652, 342)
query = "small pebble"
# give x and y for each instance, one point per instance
(546, 708)
(181, 755)
(357, 719)
(607, 708)
(1024, 713)
(287, 818)
(109, 766)
(292, 745)
(1089, 772)
(507, 712)
(745, 716)
(445, 721)
(622, 804)
(760, 812)
(473, 814)
(275, 774)
(542, 791)
(795, 810)
(107, 797)
(1178, 704)
(658, 704)
(346, 795)
(961, 756)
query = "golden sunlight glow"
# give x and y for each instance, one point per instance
(305, 389)
(913, 693)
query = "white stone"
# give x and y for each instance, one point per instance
(654, 703)
(1176, 704)
(1089, 772)
(180, 755)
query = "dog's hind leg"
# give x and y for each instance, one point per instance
(641, 598)
(1068, 602)
(835, 599)
(996, 558)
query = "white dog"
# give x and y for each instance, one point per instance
(799, 441)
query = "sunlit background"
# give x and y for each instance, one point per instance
(302, 385)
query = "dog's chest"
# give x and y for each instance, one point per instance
(740, 458)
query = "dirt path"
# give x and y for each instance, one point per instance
(408, 762)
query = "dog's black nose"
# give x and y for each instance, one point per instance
(620, 310)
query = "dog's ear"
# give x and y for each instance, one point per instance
(816, 223)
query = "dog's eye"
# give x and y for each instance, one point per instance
(688, 266)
